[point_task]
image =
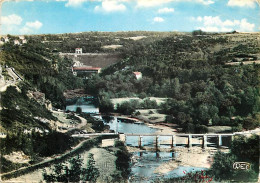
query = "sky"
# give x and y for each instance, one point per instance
(71, 16)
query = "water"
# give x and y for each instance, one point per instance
(143, 164)
(123, 127)
(87, 105)
(85, 108)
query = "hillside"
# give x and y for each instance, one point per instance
(191, 71)
(32, 81)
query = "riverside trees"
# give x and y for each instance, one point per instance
(73, 172)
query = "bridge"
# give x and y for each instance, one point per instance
(88, 135)
(172, 137)
(204, 144)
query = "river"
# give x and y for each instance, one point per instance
(143, 164)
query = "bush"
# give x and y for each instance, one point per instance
(79, 110)
(126, 108)
(106, 106)
(149, 104)
(201, 129)
(250, 123)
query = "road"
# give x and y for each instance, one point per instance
(5, 83)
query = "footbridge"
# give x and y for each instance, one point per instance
(172, 141)
(174, 137)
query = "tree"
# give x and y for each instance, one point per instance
(223, 165)
(73, 172)
(243, 149)
(91, 173)
(79, 110)
(106, 105)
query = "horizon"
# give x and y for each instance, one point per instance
(27, 17)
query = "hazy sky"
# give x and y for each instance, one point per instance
(64, 16)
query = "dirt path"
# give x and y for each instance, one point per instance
(47, 160)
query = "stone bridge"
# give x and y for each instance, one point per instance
(204, 144)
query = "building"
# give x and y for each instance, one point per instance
(138, 75)
(21, 37)
(17, 42)
(6, 39)
(24, 41)
(85, 71)
(78, 50)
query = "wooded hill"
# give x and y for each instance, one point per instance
(190, 70)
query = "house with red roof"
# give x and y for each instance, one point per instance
(138, 75)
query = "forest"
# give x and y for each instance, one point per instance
(200, 88)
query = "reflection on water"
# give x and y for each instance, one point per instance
(87, 105)
(144, 164)
(123, 127)
(84, 108)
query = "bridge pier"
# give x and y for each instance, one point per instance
(204, 141)
(157, 143)
(122, 137)
(190, 141)
(219, 140)
(173, 144)
(140, 141)
(232, 138)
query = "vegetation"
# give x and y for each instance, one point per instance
(122, 161)
(97, 125)
(200, 88)
(23, 117)
(73, 172)
(19, 112)
(47, 72)
(243, 149)
(7, 166)
(36, 144)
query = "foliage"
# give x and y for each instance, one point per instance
(126, 108)
(48, 72)
(223, 166)
(7, 166)
(97, 125)
(192, 177)
(243, 149)
(122, 161)
(106, 106)
(91, 173)
(36, 144)
(200, 88)
(74, 172)
(21, 109)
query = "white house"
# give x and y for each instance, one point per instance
(138, 75)
(17, 42)
(78, 50)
